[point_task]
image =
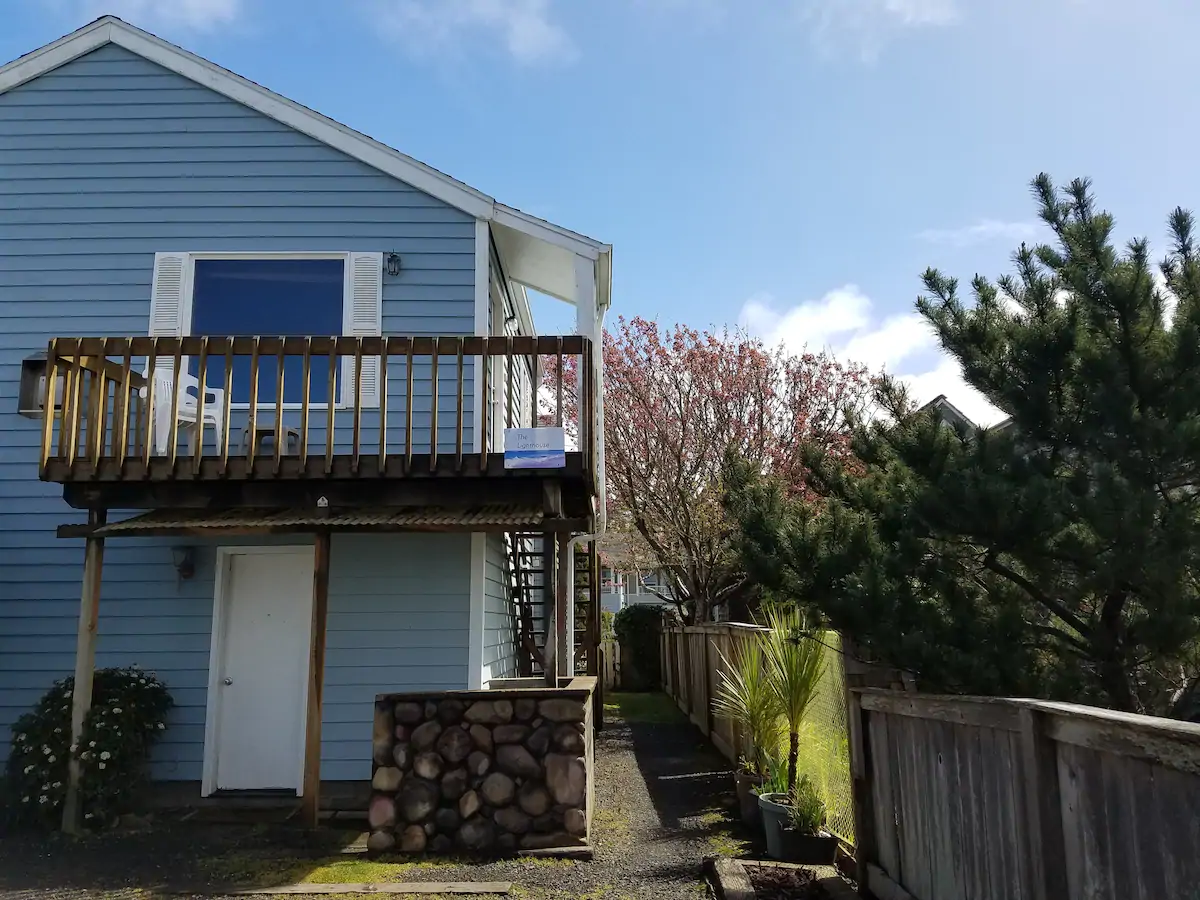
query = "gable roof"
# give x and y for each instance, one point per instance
(543, 245)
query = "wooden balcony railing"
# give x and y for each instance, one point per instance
(119, 413)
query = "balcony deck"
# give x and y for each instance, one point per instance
(426, 436)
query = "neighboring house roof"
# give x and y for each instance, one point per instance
(536, 253)
(952, 415)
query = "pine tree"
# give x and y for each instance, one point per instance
(1056, 554)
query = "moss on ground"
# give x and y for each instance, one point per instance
(260, 871)
(723, 837)
(647, 709)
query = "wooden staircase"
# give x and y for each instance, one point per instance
(531, 580)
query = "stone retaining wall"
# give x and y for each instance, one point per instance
(493, 771)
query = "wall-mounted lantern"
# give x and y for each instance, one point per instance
(184, 560)
(31, 394)
(391, 263)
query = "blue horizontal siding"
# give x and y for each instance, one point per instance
(499, 639)
(398, 620)
(105, 161)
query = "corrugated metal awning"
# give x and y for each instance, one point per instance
(166, 521)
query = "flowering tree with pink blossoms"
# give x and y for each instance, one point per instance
(677, 401)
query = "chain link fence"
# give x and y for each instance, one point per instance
(825, 743)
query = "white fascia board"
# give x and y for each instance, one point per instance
(58, 53)
(547, 232)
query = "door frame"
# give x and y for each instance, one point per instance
(212, 712)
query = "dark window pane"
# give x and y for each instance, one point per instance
(268, 297)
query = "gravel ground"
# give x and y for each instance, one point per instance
(663, 803)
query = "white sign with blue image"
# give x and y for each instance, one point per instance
(535, 448)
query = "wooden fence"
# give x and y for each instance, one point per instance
(611, 676)
(689, 671)
(960, 798)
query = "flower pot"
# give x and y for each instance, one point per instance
(775, 813)
(809, 849)
(747, 795)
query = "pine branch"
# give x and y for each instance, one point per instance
(991, 563)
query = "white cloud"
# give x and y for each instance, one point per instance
(197, 15)
(843, 323)
(524, 28)
(869, 24)
(982, 232)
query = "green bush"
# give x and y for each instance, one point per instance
(606, 625)
(128, 713)
(638, 628)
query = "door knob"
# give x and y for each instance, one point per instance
(229, 681)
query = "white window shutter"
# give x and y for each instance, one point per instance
(169, 300)
(363, 313)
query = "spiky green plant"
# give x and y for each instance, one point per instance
(808, 809)
(794, 664)
(745, 696)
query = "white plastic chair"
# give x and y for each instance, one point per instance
(186, 408)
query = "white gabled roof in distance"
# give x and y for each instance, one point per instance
(534, 247)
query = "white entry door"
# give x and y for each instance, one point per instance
(264, 613)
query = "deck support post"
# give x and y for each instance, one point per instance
(564, 655)
(85, 666)
(311, 807)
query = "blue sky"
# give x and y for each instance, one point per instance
(789, 165)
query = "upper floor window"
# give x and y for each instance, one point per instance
(273, 294)
(285, 297)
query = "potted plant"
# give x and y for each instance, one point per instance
(804, 838)
(745, 697)
(793, 666)
(774, 806)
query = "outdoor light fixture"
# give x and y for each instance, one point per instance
(391, 263)
(184, 559)
(31, 393)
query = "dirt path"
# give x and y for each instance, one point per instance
(663, 803)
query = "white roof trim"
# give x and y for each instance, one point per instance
(110, 29)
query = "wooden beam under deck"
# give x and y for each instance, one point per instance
(294, 468)
(213, 533)
(311, 802)
(343, 494)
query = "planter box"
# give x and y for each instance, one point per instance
(747, 794)
(809, 849)
(788, 845)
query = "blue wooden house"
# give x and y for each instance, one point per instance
(256, 373)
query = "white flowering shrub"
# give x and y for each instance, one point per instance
(129, 711)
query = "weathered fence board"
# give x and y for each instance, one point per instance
(983, 799)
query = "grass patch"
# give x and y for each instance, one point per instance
(649, 709)
(249, 870)
(367, 871)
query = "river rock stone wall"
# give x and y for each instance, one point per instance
(489, 772)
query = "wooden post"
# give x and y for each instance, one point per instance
(1043, 808)
(316, 682)
(865, 851)
(710, 721)
(549, 607)
(564, 650)
(85, 665)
